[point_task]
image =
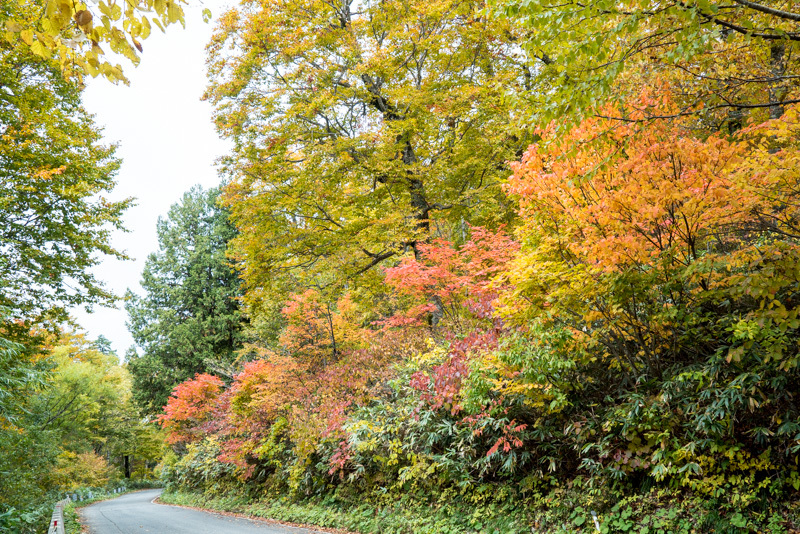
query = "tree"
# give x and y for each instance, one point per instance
(55, 225)
(360, 132)
(66, 421)
(188, 321)
(103, 345)
(87, 396)
(54, 219)
(724, 59)
(19, 375)
(664, 261)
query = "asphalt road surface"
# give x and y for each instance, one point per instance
(135, 513)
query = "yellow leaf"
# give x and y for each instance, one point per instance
(145, 28)
(40, 50)
(27, 37)
(174, 13)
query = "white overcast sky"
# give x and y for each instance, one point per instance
(167, 143)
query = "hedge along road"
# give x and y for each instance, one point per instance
(137, 513)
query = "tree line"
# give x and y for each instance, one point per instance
(514, 260)
(549, 250)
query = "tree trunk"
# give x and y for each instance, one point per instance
(777, 52)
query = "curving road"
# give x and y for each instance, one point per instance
(135, 513)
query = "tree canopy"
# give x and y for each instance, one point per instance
(54, 173)
(724, 59)
(78, 35)
(360, 130)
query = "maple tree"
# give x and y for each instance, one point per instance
(644, 246)
(459, 278)
(190, 406)
(317, 332)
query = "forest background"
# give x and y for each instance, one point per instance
(473, 267)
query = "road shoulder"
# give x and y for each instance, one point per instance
(310, 529)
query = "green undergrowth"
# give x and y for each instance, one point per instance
(71, 520)
(561, 512)
(404, 516)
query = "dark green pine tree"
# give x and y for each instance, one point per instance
(189, 319)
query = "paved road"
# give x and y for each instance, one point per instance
(135, 513)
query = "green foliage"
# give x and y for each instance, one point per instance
(55, 222)
(28, 451)
(63, 426)
(78, 470)
(730, 60)
(18, 376)
(86, 398)
(188, 321)
(199, 469)
(558, 511)
(404, 514)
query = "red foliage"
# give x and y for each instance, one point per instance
(190, 407)
(315, 399)
(462, 278)
(340, 458)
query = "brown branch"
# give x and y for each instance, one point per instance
(375, 261)
(686, 113)
(769, 10)
(750, 33)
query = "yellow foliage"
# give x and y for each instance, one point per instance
(80, 470)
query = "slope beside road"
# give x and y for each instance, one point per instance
(137, 513)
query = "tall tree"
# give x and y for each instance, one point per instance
(188, 321)
(360, 130)
(54, 220)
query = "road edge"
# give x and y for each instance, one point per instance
(311, 529)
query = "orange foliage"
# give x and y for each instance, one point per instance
(461, 278)
(190, 407)
(318, 331)
(617, 195)
(265, 390)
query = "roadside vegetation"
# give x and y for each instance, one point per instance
(525, 260)
(472, 268)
